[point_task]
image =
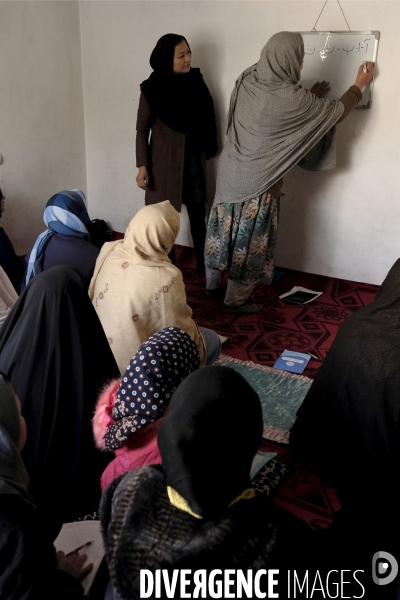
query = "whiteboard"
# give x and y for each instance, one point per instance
(336, 57)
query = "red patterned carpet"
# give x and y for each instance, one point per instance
(302, 493)
(263, 336)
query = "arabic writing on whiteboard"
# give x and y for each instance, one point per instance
(328, 50)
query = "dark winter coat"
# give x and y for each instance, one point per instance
(68, 251)
(142, 529)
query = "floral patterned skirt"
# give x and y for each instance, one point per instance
(241, 238)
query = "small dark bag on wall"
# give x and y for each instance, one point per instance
(99, 232)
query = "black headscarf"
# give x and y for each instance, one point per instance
(56, 355)
(348, 427)
(181, 100)
(212, 410)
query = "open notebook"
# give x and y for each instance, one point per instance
(73, 535)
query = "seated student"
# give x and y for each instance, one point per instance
(348, 427)
(8, 296)
(30, 568)
(66, 242)
(353, 406)
(129, 411)
(197, 511)
(54, 352)
(137, 291)
(9, 261)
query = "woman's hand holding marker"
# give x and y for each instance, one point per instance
(365, 74)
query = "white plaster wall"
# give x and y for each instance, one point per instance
(345, 223)
(42, 134)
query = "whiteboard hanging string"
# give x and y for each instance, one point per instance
(313, 29)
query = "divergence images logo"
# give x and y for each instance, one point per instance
(384, 568)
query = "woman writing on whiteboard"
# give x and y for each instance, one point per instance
(176, 105)
(273, 124)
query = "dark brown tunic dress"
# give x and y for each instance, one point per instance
(164, 158)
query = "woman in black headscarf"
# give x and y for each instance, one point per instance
(197, 511)
(55, 353)
(29, 565)
(176, 105)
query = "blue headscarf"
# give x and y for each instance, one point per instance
(154, 373)
(65, 213)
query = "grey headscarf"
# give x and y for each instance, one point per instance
(273, 123)
(13, 476)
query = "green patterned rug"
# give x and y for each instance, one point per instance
(281, 394)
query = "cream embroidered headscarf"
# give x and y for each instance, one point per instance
(136, 290)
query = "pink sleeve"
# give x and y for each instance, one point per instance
(102, 416)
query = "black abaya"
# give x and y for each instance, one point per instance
(348, 427)
(55, 353)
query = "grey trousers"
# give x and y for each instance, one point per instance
(237, 292)
(213, 344)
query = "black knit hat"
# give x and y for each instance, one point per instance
(210, 408)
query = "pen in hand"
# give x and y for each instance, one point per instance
(79, 548)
